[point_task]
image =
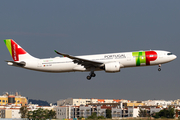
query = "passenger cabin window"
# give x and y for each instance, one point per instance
(169, 53)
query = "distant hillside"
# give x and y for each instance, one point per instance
(54, 104)
(39, 102)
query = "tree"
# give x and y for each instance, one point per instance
(23, 111)
(165, 113)
(81, 118)
(93, 116)
(143, 113)
(51, 114)
(100, 117)
(108, 113)
(41, 114)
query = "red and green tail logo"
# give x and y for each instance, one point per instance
(14, 49)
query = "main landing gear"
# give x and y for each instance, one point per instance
(92, 74)
(159, 69)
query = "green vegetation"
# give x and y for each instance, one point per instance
(165, 113)
(143, 113)
(108, 113)
(81, 118)
(41, 114)
(94, 116)
(23, 112)
(101, 117)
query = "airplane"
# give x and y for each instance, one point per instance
(110, 62)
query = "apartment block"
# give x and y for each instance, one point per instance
(67, 112)
(13, 99)
(10, 113)
(162, 103)
(80, 101)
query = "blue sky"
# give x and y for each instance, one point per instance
(91, 27)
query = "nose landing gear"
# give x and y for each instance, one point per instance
(159, 69)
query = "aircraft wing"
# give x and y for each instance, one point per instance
(84, 62)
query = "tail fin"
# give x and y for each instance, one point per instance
(17, 53)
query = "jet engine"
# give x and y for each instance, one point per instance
(112, 67)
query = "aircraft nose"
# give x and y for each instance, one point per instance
(174, 57)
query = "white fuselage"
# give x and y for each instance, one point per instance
(126, 59)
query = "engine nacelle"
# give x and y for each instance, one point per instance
(112, 67)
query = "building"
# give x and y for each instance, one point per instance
(161, 103)
(134, 111)
(16, 99)
(135, 103)
(63, 112)
(10, 113)
(74, 102)
(176, 102)
(75, 108)
(117, 112)
(68, 112)
(80, 101)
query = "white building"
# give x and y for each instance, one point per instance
(157, 103)
(155, 109)
(133, 112)
(15, 113)
(116, 113)
(80, 101)
(63, 112)
(74, 102)
(85, 111)
(67, 112)
(176, 102)
(101, 111)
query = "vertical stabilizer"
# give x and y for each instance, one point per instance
(17, 53)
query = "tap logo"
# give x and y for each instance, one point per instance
(144, 58)
(14, 49)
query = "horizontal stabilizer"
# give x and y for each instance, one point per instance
(17, 64)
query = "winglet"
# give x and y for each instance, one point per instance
(64, 55)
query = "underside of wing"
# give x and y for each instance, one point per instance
(81, 61)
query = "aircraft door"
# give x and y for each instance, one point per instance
(39, 63)
(128, 58)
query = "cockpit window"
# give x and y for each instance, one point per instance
(169, 53)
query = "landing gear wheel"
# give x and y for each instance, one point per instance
(88, 77)
(159, 69)
(93, 75)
